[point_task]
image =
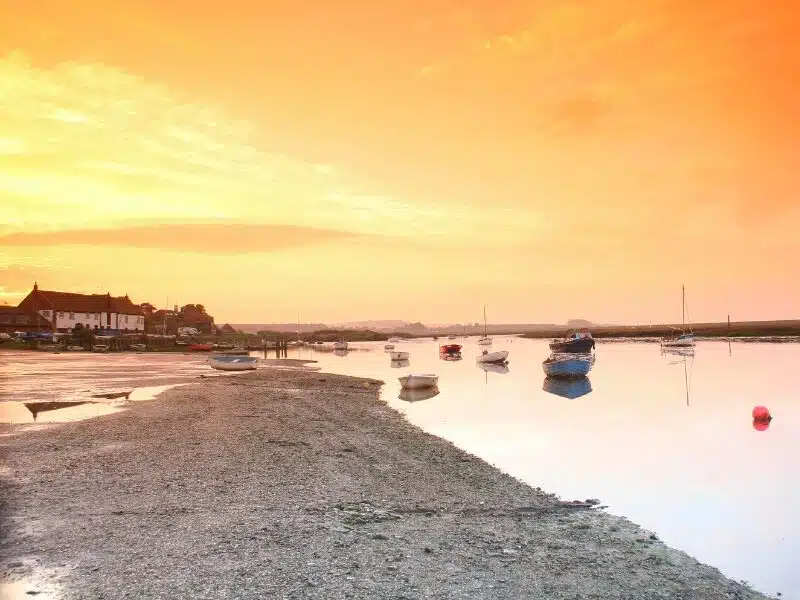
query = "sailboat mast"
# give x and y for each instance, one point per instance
(484, 320)
(683, 305)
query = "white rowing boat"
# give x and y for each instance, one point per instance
(231, 362)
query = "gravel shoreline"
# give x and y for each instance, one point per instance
(289, 483)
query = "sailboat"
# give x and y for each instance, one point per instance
(484, 340)
(685, 338)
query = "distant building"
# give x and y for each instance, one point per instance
(65, 310)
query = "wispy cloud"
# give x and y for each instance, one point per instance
(223, 238)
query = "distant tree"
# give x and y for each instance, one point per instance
(148, 309)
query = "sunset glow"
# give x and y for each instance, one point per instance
(413, 160)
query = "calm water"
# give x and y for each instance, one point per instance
(667, 441)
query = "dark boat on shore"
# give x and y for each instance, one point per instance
(577, 342)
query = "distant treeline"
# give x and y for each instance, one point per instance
(735, 329)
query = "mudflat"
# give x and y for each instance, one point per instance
(288, 483)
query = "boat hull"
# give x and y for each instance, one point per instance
(398, 355)
(418, 382)
(340, 346)
(583, 345)
(485, 341)
(567, 367)
(233, 363)
(500, 356)
(679, 342)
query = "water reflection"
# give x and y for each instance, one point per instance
(687, 360)
(341, 352)
(567, 388)
(494, 367)
(399, 364)
(38, 407)
(417, 395)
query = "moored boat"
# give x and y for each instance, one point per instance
(684, 339)
(341, 345)
(100, 348)
(398, 355)
(388, 346)
(575, 342)
(417, 381)
(138, 347)
(232, 362)
(394, 340)
(450, 349)
(200, 348)
(499, 356)
(568, 365)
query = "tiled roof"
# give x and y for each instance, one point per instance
(69, 302)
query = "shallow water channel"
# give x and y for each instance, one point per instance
(666, 440)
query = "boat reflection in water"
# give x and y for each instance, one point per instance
(677, 350)
(494, 367)
(340, 352)
(38, 407)
(419, 394)
(567, 388)
(399, 364)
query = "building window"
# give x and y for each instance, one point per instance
(46, 314)
(87, 316)
(61, 315)
(71, 315)
(126, 318)
(96, 316)
(5, 319)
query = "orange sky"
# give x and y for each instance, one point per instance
(351, 160)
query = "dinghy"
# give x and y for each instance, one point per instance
(499, 356)
(398, 355)
(568, 365)
(685, 339)
(418, 381)
(388, 346)
(232, 362)
(340, 345)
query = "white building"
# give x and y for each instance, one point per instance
(65, 310)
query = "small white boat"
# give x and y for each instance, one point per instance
(340, 345)
(399, 364)
(394, 340)
(232, 362)
(418, 381)
(685, 340)
(416, 395)
(484, 340)
(493, 357)
(451, 337)
(388, 346)
(100, 348)
(398, 355)
(568, 365)
(75, 348)
(138, 347)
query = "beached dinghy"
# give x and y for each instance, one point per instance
(398, 355)
(231, 362)
(499, 356)
(568, 365)
(388, 346)
(418, 381)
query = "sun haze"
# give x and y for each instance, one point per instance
(356, 160)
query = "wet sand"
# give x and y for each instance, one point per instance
(288, 483)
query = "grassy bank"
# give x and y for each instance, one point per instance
(736, 329)
(297, 484)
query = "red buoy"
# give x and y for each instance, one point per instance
(761, 413)
(760, 424)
